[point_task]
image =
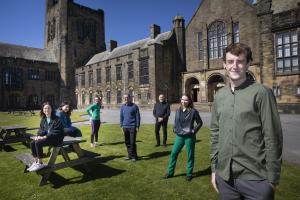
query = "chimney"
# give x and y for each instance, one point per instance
(112, 45)
(155, 30)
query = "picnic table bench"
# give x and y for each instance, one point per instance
(84, 157)
(13, 134)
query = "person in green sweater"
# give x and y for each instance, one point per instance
(94, 113)
(246, 134)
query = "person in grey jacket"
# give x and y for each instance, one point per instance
(185, 118)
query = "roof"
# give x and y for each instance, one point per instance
(128, 48)
(27, 53)
(281, 6)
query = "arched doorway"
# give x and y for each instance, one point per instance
(192, 88)
(214, 83)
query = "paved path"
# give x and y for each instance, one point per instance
(290, 125)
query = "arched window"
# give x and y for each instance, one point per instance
(217, 38)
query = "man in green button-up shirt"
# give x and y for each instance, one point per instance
(246, 134)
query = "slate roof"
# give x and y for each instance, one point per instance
(128, 48)
(27, 53)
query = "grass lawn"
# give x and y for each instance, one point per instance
(114, 178)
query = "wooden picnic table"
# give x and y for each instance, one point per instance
(83, 158)
(12, 134)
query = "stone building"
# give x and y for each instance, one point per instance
(29, 76)
(270, 27)
(144, 68)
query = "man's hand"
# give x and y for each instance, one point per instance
(160, 119)
(213, 181)
(273, 186)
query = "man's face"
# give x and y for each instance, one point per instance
(236, 66)
(97, 100)
(161, 98)
(127, 99)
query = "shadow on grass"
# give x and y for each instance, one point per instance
(155, 155)
(8, 148)
(117, 143)
(113, 143)
(96, 170)
(204, 172)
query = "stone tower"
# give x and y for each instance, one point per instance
(74, 33)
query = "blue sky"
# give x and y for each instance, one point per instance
(22, 21)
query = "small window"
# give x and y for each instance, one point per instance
(98, 71)
(90, 78)
(108, 74)
(148, 96)
(298, 90)
(287, 59)
(108, 97)
(130, 70)
(119, 96)
(236, 32)
(119, 72)
(200, 46)
(276, 90)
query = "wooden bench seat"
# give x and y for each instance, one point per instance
(84, 157)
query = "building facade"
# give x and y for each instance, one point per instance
(30, 76)
(144, 69)
(270, 27)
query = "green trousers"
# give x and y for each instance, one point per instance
(189, 142)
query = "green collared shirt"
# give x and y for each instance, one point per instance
(246, 134)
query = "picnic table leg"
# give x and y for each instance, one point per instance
(80, 154)
(65, 155)
(51, 163)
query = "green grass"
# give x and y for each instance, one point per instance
(114, 178)
(30, 121)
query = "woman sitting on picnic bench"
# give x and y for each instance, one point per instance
(50, 133)
(64, 113)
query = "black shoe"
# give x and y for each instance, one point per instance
(189, 178)
(167, 176)
(165, 145)
(157, 145)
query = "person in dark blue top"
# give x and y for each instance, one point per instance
(130, 123)
(64, 113)
(187, 124)
(49, 133)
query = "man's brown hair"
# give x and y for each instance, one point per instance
(238, 49)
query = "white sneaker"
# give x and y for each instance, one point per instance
(31, 166)
(37, 167)
(95, 144)
(92, 145)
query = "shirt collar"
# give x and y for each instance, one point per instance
(245, 84)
